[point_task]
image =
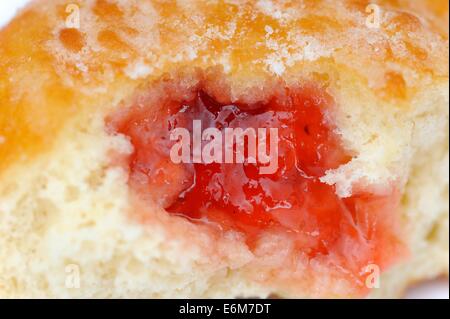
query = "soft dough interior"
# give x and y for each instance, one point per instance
(74, 207)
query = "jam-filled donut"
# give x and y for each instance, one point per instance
(223, 148)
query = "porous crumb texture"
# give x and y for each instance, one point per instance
(65, 201)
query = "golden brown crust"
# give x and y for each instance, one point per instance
(51, 73)
(390, 85)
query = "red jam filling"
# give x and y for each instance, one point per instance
(353, 232)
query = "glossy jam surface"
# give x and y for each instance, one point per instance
(236, 196)
(239, 196)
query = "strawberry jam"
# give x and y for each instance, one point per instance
(353, 232)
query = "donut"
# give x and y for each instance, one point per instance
(223, 148)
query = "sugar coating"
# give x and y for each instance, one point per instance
(63, 203)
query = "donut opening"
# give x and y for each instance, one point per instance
(347, 234)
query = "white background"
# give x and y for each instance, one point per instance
(8, 9)
(433, 289)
